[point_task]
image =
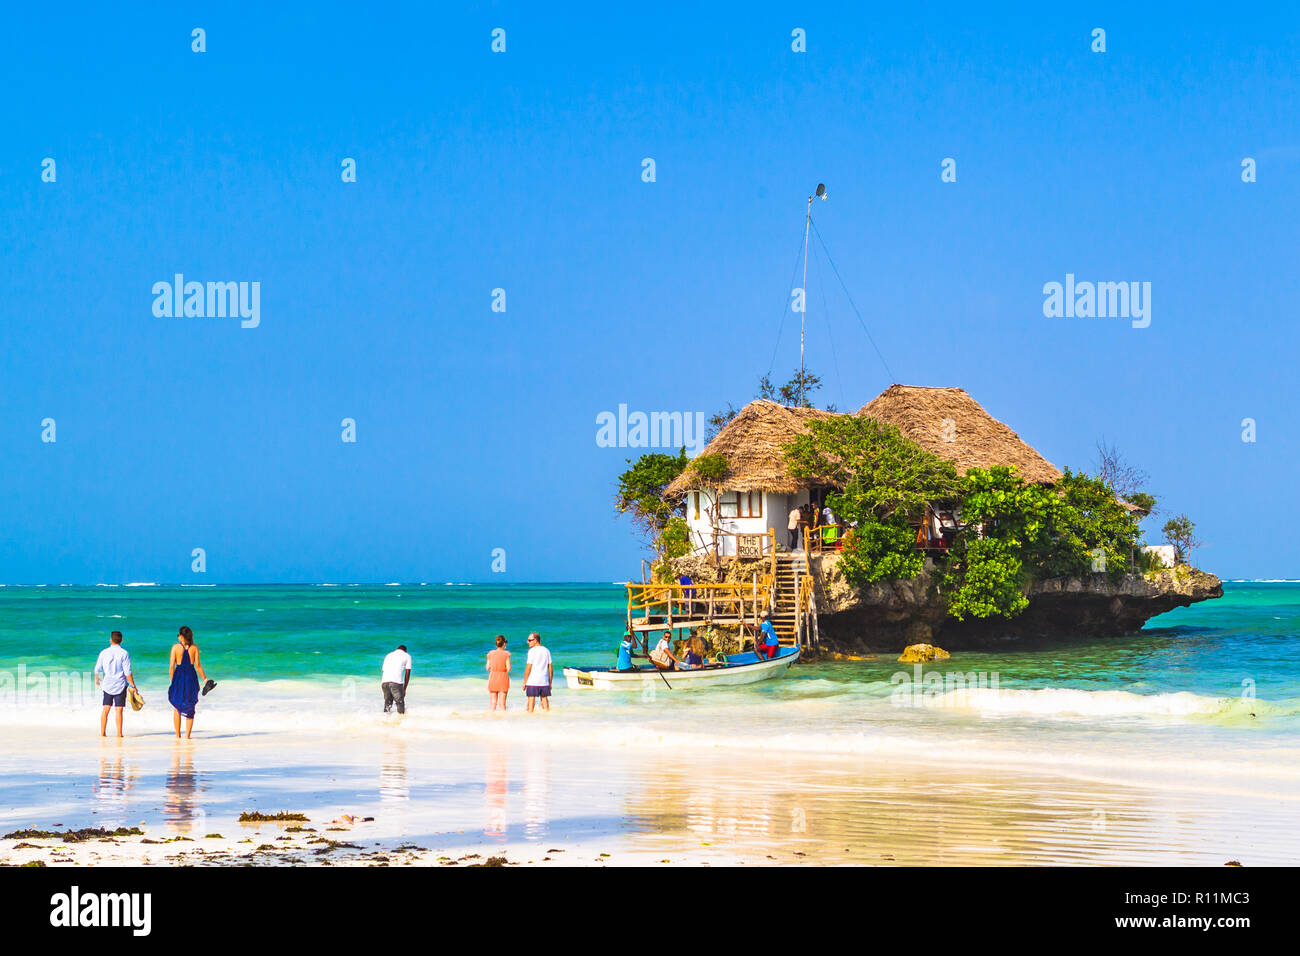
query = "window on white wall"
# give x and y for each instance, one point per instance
(729, 505)
(750, 505)
(697, 506)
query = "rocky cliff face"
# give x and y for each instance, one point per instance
(891, 615)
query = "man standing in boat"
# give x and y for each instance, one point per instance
(770, 643)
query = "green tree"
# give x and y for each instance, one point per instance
(707, 473)
(883, 474)
(1180, 531)
(1005, 520)
(990, 580)
(886, 483)
(795, 392)
(675, 539)
(641, 495)
(1091, 530)
(1145, 503)
(1016, 532)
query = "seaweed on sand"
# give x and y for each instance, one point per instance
(335, 845)
(74, 836)
(253, 816)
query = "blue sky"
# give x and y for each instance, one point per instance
(523, 171)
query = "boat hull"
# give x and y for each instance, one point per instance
(742, 669)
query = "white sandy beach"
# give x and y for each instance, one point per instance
(526, 790)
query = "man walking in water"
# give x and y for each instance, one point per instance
(114, 664)
(538, 673)
(396, 677)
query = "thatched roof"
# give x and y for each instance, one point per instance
(978, 440)
(751, 442)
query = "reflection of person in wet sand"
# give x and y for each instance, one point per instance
(392, 774)
(182, 785)
(537, 793)
(498, 665)
(112, 784)
(495, 791)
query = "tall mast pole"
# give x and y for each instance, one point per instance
(803, 313)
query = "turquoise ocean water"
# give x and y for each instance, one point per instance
(1200, 686)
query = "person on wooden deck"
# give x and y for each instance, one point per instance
(796, 516)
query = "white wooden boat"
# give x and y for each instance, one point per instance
(746, 668)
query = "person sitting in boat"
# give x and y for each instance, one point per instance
(625, 653)
(662, 656)
(694, 653)
(769, 643)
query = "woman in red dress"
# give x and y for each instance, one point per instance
(498, 665)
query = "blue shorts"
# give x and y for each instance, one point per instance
(115, 700)
(538, 690)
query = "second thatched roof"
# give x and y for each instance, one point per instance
(751, 442)
(952, 425)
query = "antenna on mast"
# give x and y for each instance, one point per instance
(803, 313)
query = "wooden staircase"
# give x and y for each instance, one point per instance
(790, 568)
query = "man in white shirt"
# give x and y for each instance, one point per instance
(662, 656)
(396, 676)
(538, 673)
(114, 667)
(793, 527)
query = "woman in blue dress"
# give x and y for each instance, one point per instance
(185, 674)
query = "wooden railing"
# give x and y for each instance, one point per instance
(814, 538)
(686, 605)
(805, 630)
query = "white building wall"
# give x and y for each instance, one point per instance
(1165, 552)
(776, 511)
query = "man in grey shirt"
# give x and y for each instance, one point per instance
(114, 667)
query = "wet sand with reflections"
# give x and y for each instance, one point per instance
(447, 799)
